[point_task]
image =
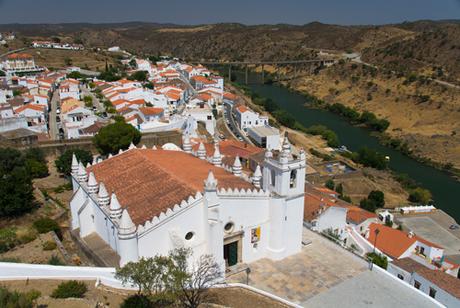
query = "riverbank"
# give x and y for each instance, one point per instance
(442, 185)
(356, 185)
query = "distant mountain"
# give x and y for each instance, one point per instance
(408, 45)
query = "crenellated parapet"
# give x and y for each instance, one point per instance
(169, 213)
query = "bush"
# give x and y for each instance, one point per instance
(329, 184)
(137, 301)
(55, 260)
(45, 225)
(378, 259)
(8, 239)
(420, 195)
(370, 158)
(70, 288)
(49, 245)
(329, 135)
(16, 299)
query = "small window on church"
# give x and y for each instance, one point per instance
(189, 236)
(273, 178)
(229, 227)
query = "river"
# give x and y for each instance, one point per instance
(442, 185)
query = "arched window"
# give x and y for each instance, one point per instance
(293, 179)
(189, 236)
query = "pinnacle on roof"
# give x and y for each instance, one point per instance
(88, 165)
(211, 182)
(103, 195)
(216, 158)
(256, 177)
(115, 207)
(92, 183)
(286, 150)
(201, 151)
(236, 168)
(186, 145)
(126, 224)
(75, 164)
(82, 175)
(120, 151)
(132, 146)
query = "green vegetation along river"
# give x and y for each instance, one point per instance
(443, 187)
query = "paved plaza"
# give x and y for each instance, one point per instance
(325, 275)
(320, 266)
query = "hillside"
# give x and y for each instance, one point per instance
(405, 56)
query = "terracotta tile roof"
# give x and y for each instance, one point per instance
(137, 102)
(16, 56)
(35, 107)
(358, 215)
(231, 148)
(203, 79)
(148, 182)
(151, 110)
(242, 108)
(394, 242)
(173, 95)
(445, 281)
(230, 96)
(327, 191)
(407, 264)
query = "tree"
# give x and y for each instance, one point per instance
(171, 278)
(88, 101)
(420, 195)
(64, 162)
(16, 190)
(192, 282)
(330, 184)
(116, 136)
(339, 189)
(139, 76)
(378, 197)
(36, 162)
(378, 259)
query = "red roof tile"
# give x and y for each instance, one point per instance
(148, 182)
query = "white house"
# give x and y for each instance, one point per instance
(442, 287)
(246, 118)
(69, 88)
(265, 136)
(36, 116)
(145, 202)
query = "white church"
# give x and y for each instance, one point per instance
(143, 202)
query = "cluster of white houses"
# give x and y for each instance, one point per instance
(144, 202)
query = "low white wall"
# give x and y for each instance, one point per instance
(21, 271)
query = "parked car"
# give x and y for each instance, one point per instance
(58, 119)
(454, 227)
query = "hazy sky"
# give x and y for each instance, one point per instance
(214, 11)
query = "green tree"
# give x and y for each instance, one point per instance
(378, 197)
(116, 136)
(64, 162)
(330, 184)
(420, 195)
(378, 259)
(88, 101)
(16, 190)
(139, 76)
(36, 162)
(339, 189)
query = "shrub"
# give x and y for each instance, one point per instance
(14, 299)
(137, 301)
(54, 260)
(329, 184)
(327, 134)
(370, 158)
(420, 195)
(45, 225)
(8, 239)
(49, 245)
(70, 288)
(378, 259)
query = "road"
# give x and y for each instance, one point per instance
(53, 129)
(231, 124)
(96, 102)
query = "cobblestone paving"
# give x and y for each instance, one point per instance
(318, 267)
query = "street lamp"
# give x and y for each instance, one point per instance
(376, 232)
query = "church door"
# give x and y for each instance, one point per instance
(231, 253)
